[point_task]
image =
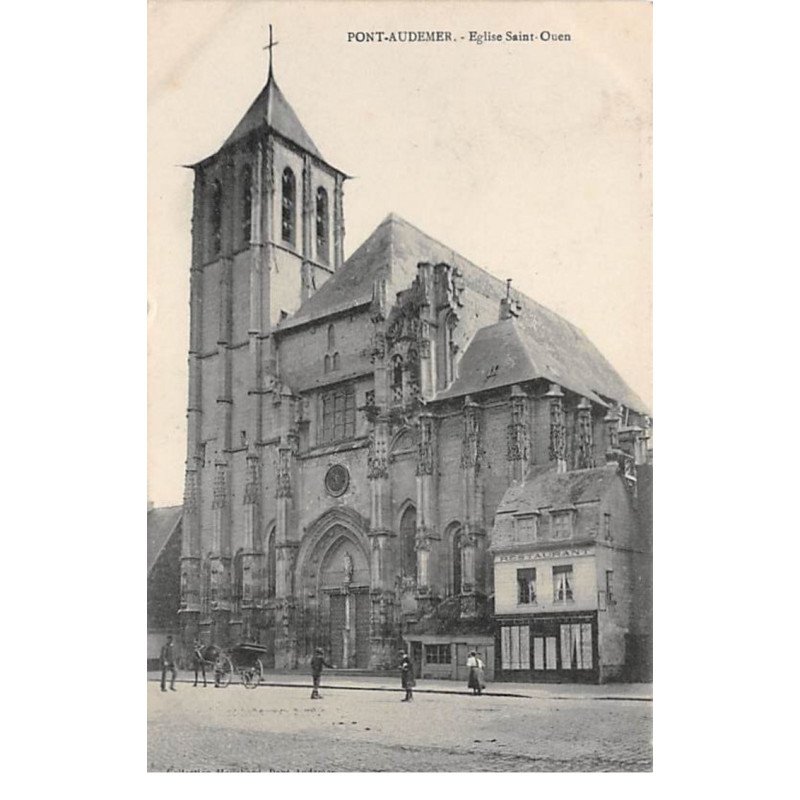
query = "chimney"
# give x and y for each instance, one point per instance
(509, 308)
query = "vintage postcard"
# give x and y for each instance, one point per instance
(400, 405)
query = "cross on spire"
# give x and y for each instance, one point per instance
(269, 47)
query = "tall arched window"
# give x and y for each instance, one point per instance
(327, 363)
(323, 226)
(288, 205)
(271, 565)
(216, 218)
(246, 207)
(336, 361)
(408, 535)
(331, 337)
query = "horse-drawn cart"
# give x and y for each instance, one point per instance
(244, 659)
(247, 662)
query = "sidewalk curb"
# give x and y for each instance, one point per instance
(329, 687)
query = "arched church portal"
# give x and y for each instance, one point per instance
(335, 584)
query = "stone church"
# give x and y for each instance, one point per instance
(353, 426)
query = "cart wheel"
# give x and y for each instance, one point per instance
(251, 676)
(227, 672)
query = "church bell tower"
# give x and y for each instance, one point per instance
(267, 232)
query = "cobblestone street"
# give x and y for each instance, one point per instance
(282, 729)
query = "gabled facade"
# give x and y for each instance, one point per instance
(572, 568)
(353, 426)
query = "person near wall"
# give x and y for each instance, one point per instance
(317, 663)
(407, 680)
(220, 668)
(198, 662)
(481, 673)
(168, 664)
(475, 667)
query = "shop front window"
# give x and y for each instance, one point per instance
(515, 647)
(437, 653)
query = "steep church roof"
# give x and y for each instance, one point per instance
(537, 344)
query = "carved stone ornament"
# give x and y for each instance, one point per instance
(380, 303)
(283, 473)
(251, 487)
(518, 435)
(378, 352)
(220, 495)
(184, 588)
(423, 539)
(337, 479)
(612, 420)
(425, 447)
(470, 444)
(558, 438)
(378, 462)
(347, 567)
(190, 491)
(585, 436)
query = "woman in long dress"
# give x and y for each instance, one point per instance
(474, 681)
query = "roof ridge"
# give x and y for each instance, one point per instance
(500, 284)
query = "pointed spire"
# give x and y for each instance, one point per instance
(269, 47)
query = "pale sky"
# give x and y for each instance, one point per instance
(531, 159)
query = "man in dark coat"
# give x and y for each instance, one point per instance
(407, 680)
(168, 663)
(317, 663)
(198, 662)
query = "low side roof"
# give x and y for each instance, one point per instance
(546, 488)
(539, 344)
(161, 522)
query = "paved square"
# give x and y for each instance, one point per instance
(282, 729)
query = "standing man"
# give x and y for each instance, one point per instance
(198, 662)
(168, 663)
(317, 663)
(407, 680)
